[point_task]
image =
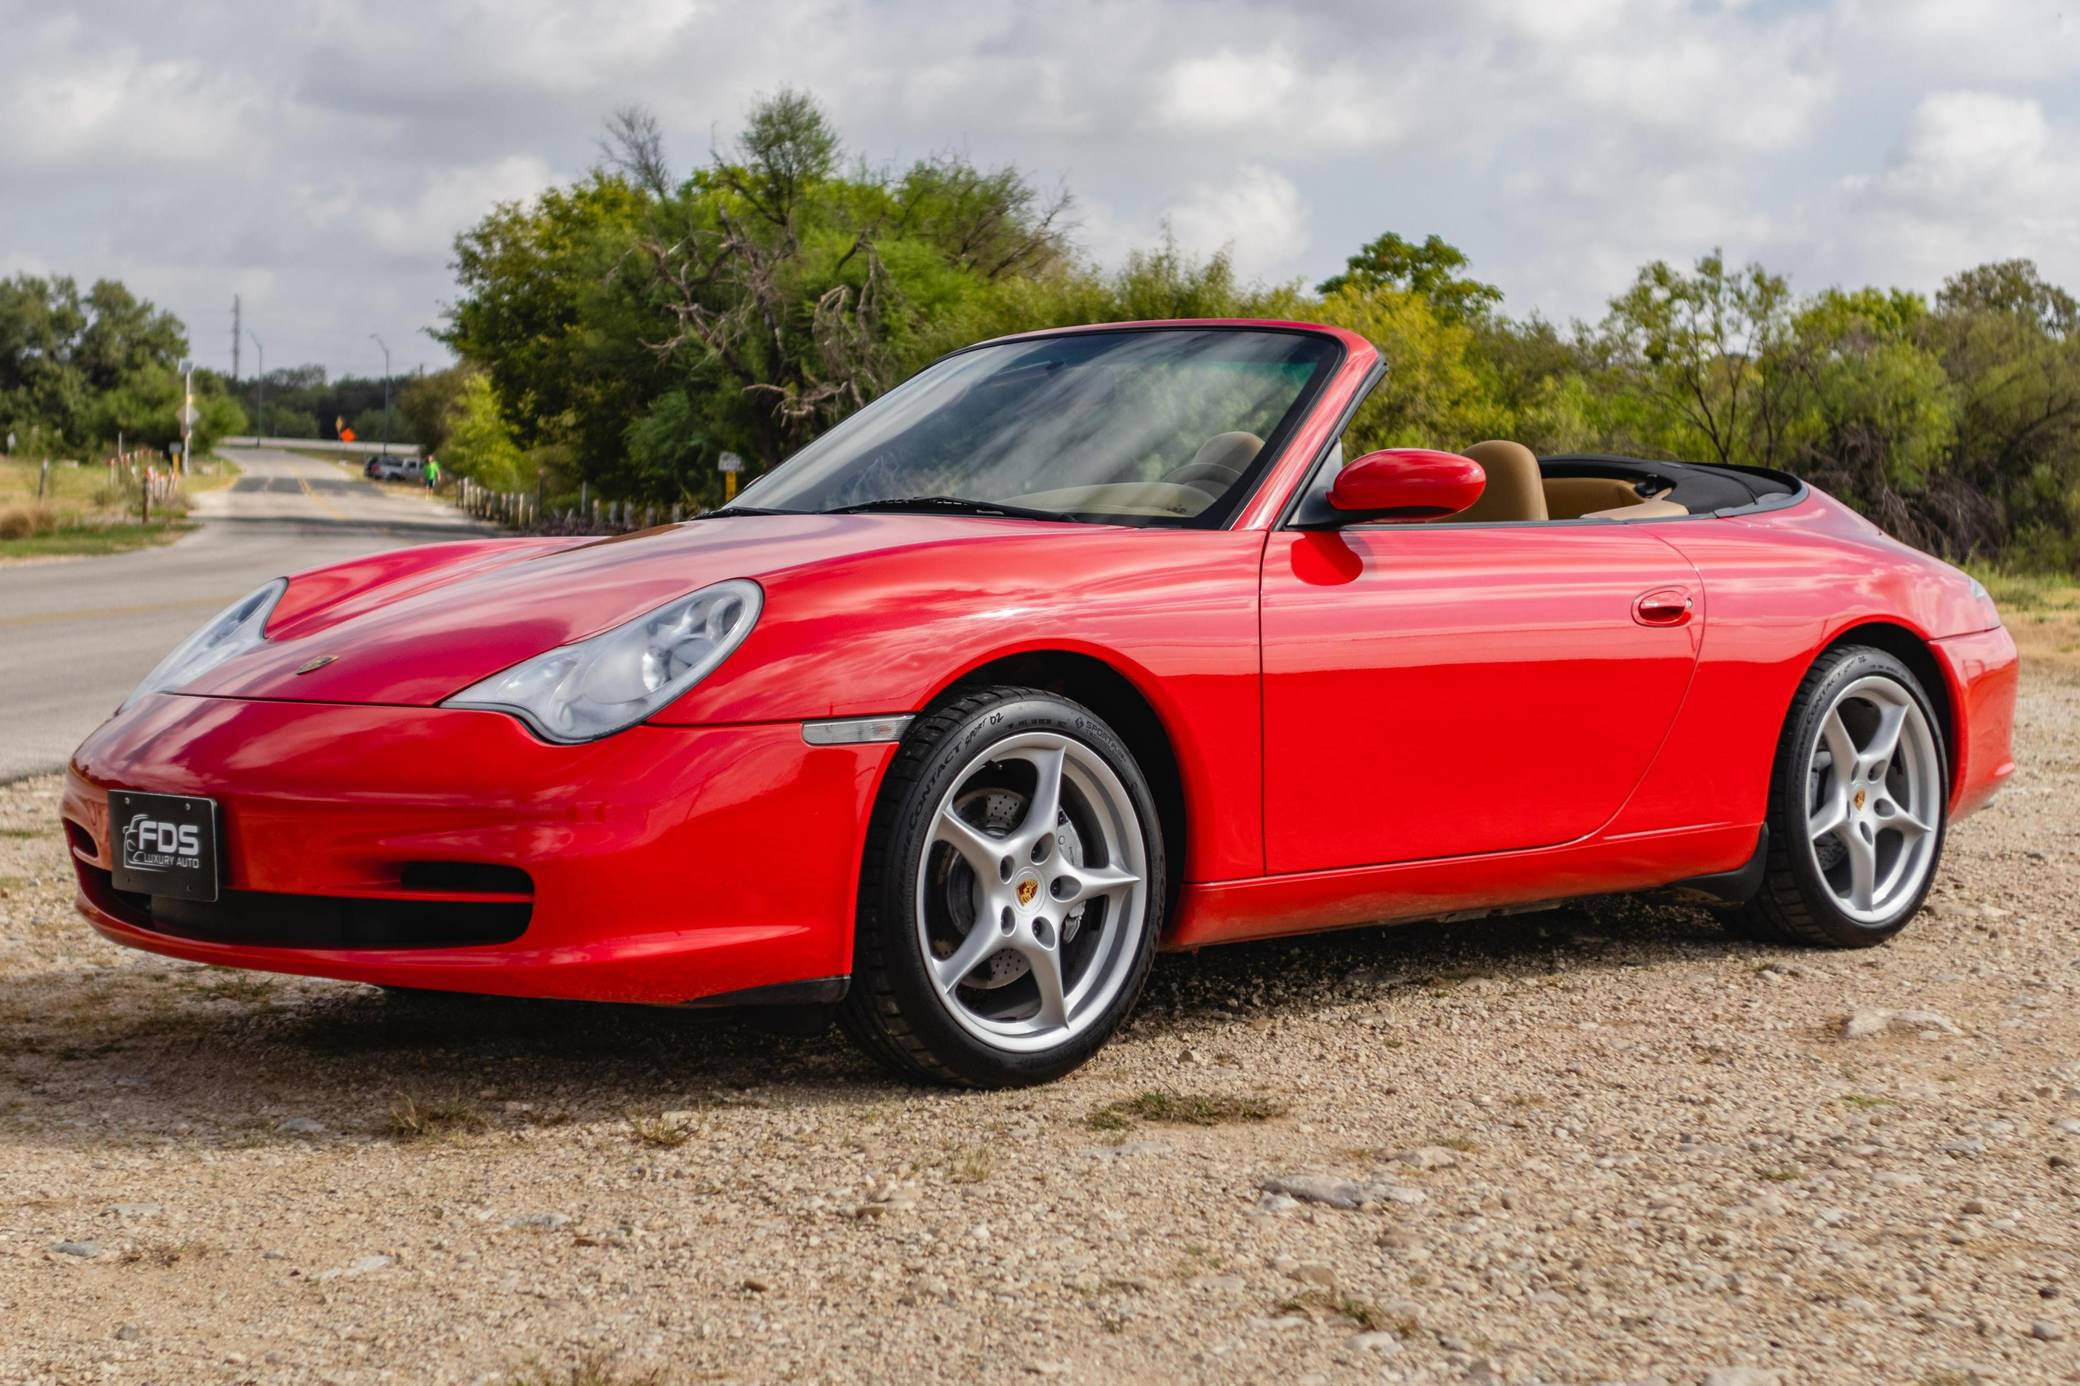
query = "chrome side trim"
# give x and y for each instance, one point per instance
(854, 731)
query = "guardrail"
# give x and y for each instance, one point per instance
(531, 511)
(356, 448)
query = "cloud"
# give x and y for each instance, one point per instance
(1256, 213)
(1976, 176)
(447, 203)
(322, 166)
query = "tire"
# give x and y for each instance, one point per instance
(1821, 888)
(957, 844)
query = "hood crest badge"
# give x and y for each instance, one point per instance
(320, 662)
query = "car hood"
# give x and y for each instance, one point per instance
(413, 631)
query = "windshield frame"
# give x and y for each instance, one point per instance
(1223, 510)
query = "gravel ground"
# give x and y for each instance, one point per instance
(1603, 1143)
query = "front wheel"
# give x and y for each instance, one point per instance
(1858, 803)
(1011, 895)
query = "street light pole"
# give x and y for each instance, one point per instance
(259, 390)
(386, 392)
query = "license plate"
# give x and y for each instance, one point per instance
(165, 844)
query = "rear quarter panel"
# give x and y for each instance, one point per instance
(1781, 586)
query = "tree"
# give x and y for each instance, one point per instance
(639, 325)
(427, 404)
(479, 445)
(74, 367)
(1433, 393)
(1430, 271)
(1704, 351)
(1875, 419)
(2008, 345)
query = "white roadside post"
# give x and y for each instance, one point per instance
(188, 414)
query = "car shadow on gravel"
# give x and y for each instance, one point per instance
(1320, 972)
(138, 1055)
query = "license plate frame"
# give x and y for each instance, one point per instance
(164, 844)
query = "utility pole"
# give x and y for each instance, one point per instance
(259, 390)
(236, 333)
(386, 392)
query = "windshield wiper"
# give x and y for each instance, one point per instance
(956, 505)
(747, 510)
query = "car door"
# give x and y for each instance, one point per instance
(1441, 690)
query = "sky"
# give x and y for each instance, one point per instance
(317, 159)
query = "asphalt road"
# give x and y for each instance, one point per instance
(77, 634)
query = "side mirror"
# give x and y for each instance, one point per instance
(1405, 484)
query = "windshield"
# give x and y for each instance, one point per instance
(1160, 426)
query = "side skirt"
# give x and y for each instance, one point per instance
(815, 991)
(1311, 902)
(1735, 887)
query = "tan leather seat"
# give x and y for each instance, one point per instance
(1640, 510)
(1233, 451)
(1515, 491)
(1571, 497)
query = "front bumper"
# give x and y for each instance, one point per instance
(667, 864)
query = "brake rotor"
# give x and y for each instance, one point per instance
(996, 811)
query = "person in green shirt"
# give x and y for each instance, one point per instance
(433, 474)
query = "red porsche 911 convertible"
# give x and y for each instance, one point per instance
(1075, 646)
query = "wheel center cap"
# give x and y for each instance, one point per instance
(1027, 890)
(1859, 805)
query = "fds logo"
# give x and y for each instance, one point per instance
(149, 842)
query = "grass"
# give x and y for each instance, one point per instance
(1197, 1259)
(1780, 1176)
(589, 1371)
(2042, 612)
(90, 540)
(83, 512)
(1868, 1100)
(659, 1132)
(230, 984)
(1164, 1107)
(971, 1166)
(2020, 592)
(163, 1253)
(416, 1119)
(1363, 1313)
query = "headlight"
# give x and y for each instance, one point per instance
(611, 681)
(234, 630)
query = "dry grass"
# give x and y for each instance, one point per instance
(588, 1371)
(970, 1166)
(1364, 1313)
(659, 1132)
(2042, 613)
(414, 1118)
(1164, 1107)
(82, 511)
(26, 519)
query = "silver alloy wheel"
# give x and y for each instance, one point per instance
(1873, 798)
(1057, 880)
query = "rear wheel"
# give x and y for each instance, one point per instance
(1011, 895)
(1858, 805)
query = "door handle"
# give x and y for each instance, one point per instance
(1664, 606)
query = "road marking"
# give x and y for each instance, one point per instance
(103, 613)
(327, 506)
